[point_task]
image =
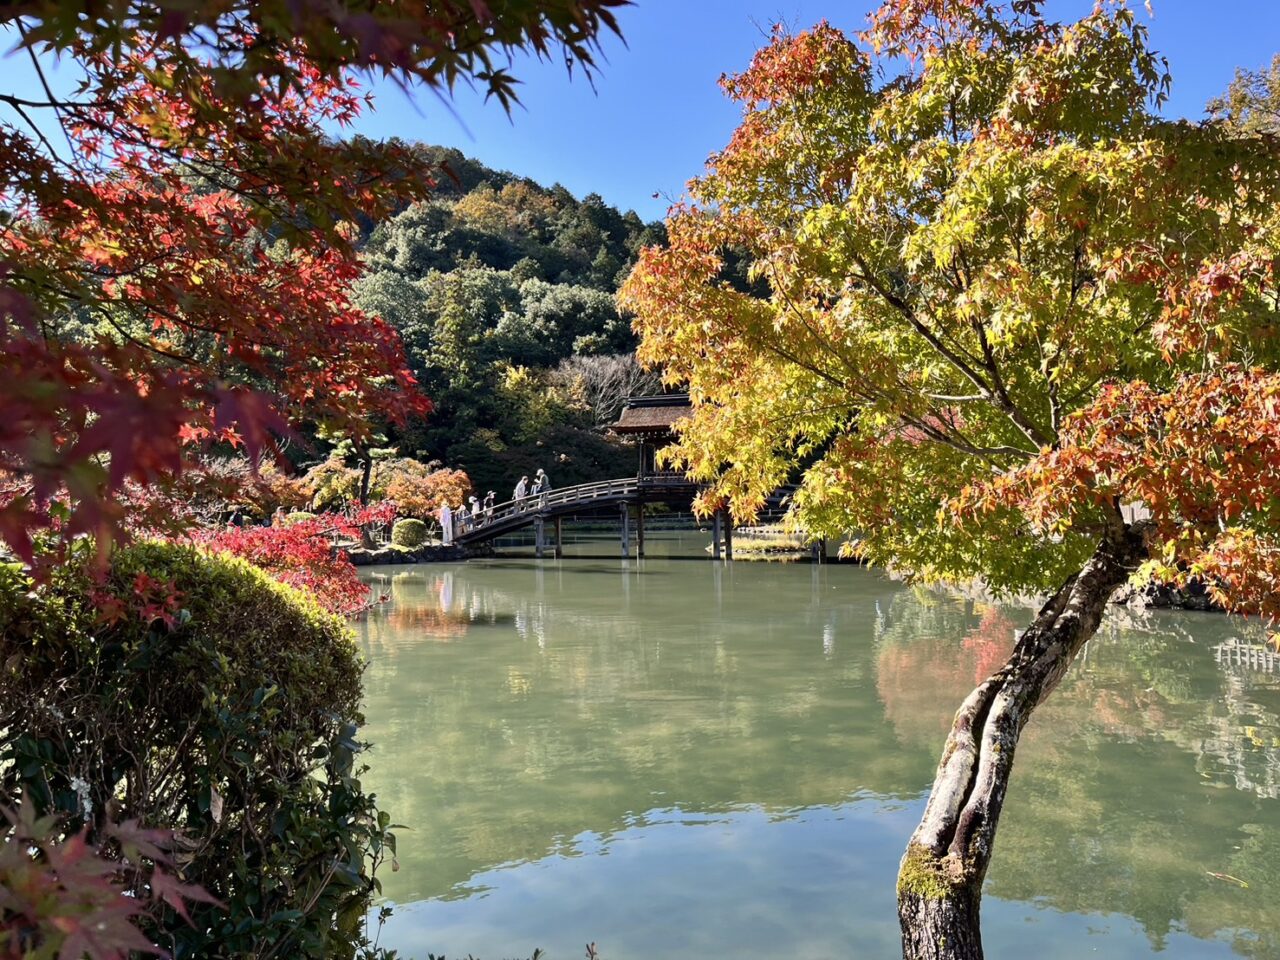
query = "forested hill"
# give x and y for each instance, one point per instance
(503, 290)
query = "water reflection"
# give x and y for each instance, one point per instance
(583, 746)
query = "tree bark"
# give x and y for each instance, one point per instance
(940, 878)
(366, 473)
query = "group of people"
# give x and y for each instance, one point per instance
(477, 513)
(541, 485)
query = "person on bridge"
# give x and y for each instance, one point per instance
(488, 505)
(541, 482)
(522, 489)
(446, 524)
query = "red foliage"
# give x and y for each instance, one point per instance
(375, 514)
(301, 555)
(177, 274)
(194, 139)
(68, 898)
(1202, 457)
(789, 66)
(918, 28)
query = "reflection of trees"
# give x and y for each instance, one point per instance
(563, 707)
(559, 712)
(923, 673)
(1150, 767)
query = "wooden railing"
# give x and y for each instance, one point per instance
(516, 513)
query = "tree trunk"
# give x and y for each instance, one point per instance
(366, 473)
(940, 878)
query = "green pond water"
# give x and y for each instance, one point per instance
(679, 758)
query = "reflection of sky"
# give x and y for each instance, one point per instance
(672, 886)
(767, 719)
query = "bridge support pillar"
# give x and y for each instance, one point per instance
(559, 538)
(715, 535)
(539, 538)
(639, 529)
(728, 535)
(625, 511)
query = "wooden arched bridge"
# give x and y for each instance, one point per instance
(647, 421)
(626, 495)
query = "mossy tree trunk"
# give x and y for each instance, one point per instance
(940, 879)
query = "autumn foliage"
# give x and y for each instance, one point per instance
(1003, 297)
(301, 555)
(177, 268)
(420, 491)
(175, 320)
(1003, 321)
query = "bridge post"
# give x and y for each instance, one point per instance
(728, 535)
(559, 538)
(538, 538)
(626, 529)
(639, 530)
(715, 535)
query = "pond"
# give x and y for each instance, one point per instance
(679, 758)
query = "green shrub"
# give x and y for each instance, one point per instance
(297, 516)
(227, 711)
(409, 533)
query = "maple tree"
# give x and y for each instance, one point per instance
(301, 554)
(1004, 301)
(176, 248)
(420, 489)
(177, 252)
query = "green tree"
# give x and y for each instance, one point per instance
(501, 273)
(399, 301)
(1251, 104)
(1003, 298)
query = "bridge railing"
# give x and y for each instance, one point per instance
(582, 494)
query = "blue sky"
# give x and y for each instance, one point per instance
(655, 112)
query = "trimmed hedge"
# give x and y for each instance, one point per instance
(409, 533)
(227, 711)
(297, 516)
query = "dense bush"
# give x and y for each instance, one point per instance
(409, 533)
(194, 692)
(298, 516)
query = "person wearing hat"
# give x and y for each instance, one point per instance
(475, 510)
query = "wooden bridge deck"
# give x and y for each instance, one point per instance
(584, 497)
